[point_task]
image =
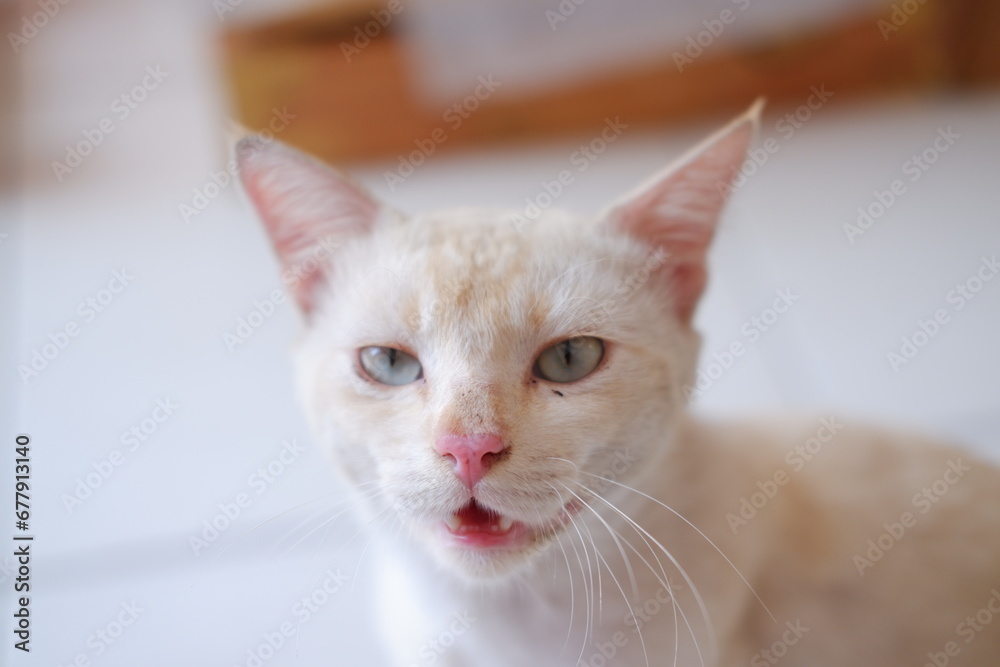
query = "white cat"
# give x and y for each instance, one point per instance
(507, 401)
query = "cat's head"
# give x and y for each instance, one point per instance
(476, 374)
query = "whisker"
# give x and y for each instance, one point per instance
(319, 572)
(549, 525)
(664, 581)
(277, 516)
(329, 527)
(587, 592)
(628, 567)
(352, 500)
(572, 596)
(600, 585)
(696, 529)
(694, 589)
(614, 536)
(274, 518)
(559, 458)
(321, 525)
(364, 550)
(334, 518)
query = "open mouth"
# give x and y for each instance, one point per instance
(480, 528)
(476, 527)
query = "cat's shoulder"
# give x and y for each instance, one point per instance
(831, 444)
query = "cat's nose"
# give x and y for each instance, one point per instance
(472, 454)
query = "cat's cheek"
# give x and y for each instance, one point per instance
(357, 422)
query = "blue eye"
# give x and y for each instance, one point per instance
(390, 366)
(570, 360)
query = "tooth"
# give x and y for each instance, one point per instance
(505, 524)
(453, 522)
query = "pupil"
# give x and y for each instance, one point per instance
(392, 356)
(567, 353)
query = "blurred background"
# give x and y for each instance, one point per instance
(180, 509)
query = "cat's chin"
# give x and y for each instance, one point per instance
(481, 545)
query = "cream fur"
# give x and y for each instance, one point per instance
(476, 298)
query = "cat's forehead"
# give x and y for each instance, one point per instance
(492, 239)
(484, 276)
(479, 275)
(464, 252)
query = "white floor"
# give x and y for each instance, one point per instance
(161, 337)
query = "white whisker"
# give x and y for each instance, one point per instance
(281, 514)
(696, 529)
(694, 589)
(664, 580)
(322, 524)
(549, 525)
(364, 550)
(600, 584)
(587, 590)
(614, 536)
(628, 566)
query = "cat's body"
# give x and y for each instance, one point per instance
(801, 553)
(508, 400)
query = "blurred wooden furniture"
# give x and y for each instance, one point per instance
(366, 108)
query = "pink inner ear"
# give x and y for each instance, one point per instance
(308, 209)
(679, 209)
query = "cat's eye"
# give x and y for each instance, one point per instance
(570, 360)
(389, 365)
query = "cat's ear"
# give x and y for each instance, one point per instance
(308, 208)
(678, 209)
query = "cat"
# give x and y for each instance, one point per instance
(507, 400)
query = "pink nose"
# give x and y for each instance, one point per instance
(472, 454)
